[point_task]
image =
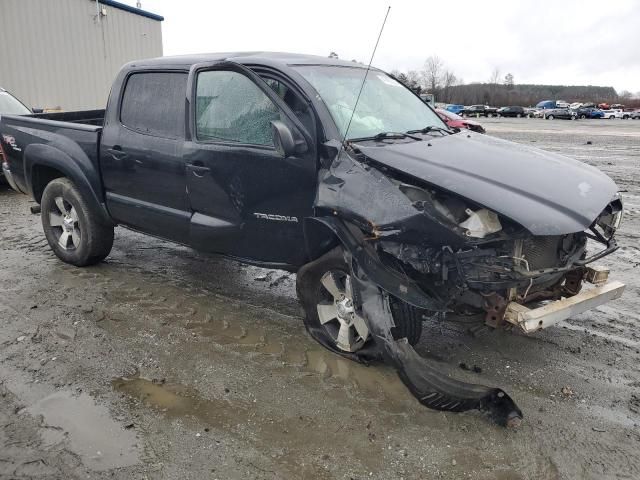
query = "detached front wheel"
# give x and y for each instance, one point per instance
(325, 291)
(73, 228)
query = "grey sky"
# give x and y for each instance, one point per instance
(586, 42)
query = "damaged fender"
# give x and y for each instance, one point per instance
(390, 281)
(429, 385)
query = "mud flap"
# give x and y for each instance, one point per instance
(429, 385)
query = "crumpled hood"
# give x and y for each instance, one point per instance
(546, 193)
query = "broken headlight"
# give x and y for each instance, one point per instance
(474, 223)
(610, 218)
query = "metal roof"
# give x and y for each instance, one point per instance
(130, 9)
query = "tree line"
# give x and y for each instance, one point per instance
(498, 90)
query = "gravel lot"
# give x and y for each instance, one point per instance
(165, 363)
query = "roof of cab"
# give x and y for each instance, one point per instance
(254, 58)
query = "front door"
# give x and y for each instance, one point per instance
(247, 200)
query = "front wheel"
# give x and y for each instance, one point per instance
(325, 290)
(72, 227)
(549, 117)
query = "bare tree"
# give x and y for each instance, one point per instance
(494, 79)
(449, 79)
(333, 55)
(495, 76)
(433, 73)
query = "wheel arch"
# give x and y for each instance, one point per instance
(43, 163)
(400, 286)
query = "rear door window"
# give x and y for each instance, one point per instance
(154, 103)
(230, 107)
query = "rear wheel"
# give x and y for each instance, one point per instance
(325, 291)
(518, 115)
(583, 116)
(549, 117)
(72, 227)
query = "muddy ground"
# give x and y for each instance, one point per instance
(165, 363)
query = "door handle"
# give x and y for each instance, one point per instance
(198, 169)
(117, 153)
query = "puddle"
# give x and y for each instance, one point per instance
(179, 401)
(90, 431)
(375, 380)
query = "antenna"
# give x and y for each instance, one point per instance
(364, 79)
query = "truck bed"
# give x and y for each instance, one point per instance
(39, 138)
(87, 117)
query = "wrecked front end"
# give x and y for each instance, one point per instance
(410, 238)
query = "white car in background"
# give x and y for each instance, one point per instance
(616, 113)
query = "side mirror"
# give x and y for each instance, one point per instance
(37, 110)
(284, 141)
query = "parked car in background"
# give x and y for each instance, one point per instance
(635, 115)
(617, 113)
(546, 104)
(456, 121)
(10, 105)
(455, 108)
(562, 113)
(589, 112)
(617, 106)
(513, 111)
(604, 106)
(479, 110)
(562, 104)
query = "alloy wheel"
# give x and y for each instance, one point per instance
(337, 313)
(63, 219)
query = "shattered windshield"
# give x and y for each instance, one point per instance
(384, 106)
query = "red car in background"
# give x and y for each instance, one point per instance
(456, 121)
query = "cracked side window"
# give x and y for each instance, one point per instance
(230, 107)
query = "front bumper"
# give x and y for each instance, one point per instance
(9, 176)
(532, 320)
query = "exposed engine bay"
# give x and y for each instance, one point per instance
(445, 252)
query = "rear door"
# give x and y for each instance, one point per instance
(247, 201)
(141, 155)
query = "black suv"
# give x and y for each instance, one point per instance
(481, 110)
(512, 112)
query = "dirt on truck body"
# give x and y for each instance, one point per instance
(387, 215)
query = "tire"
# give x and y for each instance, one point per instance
(549, 117)
(519, 115)
(72, 226)
(626, 117)
(316, 299)
(583, 116)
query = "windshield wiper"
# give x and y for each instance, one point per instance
(431, 128)
(388, 136)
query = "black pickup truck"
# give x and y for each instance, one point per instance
(387, 216)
